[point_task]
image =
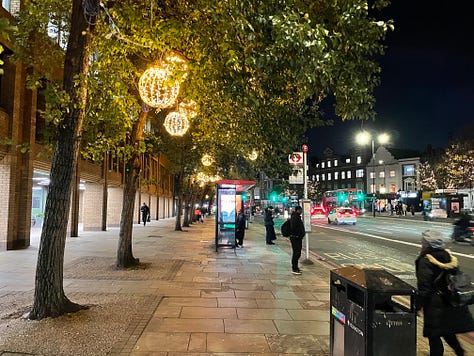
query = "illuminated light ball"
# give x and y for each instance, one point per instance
(157, 89)
(253, 156)
(176, 124)
(207, 160)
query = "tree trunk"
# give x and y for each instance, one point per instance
(49, 298)
(125, 257)
(178, 187)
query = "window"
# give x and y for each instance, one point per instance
(392, 174)
(359, 159)
(322, 165)
(348, 160)
(317, 177)
(349, 174)
(323, 177)
(382, 174)
(335, 163)
(408, 170)
(6, 5)
(317, 165)
(372, 175)
(329, 164)
(329, 176)
(343, 175)
(359, 173)
(336, 175)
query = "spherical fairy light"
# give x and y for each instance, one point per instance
(207, 160)
(176, 124)
(253, 156)
(157, 88)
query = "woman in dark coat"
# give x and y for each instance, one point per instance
(440, 318)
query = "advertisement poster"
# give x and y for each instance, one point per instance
(227, 204)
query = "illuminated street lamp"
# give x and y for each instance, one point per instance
(363, 138)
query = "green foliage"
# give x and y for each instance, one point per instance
(258, 72)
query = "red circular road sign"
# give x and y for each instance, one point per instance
(305, 148)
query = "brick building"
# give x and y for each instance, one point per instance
(25, 165)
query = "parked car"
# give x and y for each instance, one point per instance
(318, 212)
(342, 216)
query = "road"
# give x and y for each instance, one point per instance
(389, 243)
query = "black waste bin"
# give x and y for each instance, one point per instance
(372, 313)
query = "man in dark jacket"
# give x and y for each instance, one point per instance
(240, 229)
(296, 238)
(440, 318)
(145, 213)
(269, 226)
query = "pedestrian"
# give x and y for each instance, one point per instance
(441, 320)
(404, 209)
(296, 237)
(269, 226)
(197, 214)
(240, 229)
(412, 210)
(145, 210)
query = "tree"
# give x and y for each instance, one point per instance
(50, 299)
(457, 165)
(258, 72)
(427, 178)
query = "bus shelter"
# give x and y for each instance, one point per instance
(228, 203)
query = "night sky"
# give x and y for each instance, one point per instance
(426, 93)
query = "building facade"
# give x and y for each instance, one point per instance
(385, 175)
(334, 171)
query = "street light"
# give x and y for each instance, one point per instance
(363, 138)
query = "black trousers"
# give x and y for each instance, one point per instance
(270, 233)
(296, 246)
(436, 345)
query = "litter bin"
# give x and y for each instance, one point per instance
(372, 313)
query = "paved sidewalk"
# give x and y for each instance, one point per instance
(233, 302)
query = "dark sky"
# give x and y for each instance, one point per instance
(426, 93)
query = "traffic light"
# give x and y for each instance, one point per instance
(274, 196)
(244, 197)
(360, 196)
(341, 197)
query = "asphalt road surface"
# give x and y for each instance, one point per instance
(390, 243)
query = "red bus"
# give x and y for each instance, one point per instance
(352, 197)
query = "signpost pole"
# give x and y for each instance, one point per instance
(306, 205)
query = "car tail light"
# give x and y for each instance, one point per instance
(339, 215)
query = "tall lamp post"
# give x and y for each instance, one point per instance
(363, 138)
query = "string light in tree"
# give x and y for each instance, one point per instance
(177, 124)
(188, 107)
